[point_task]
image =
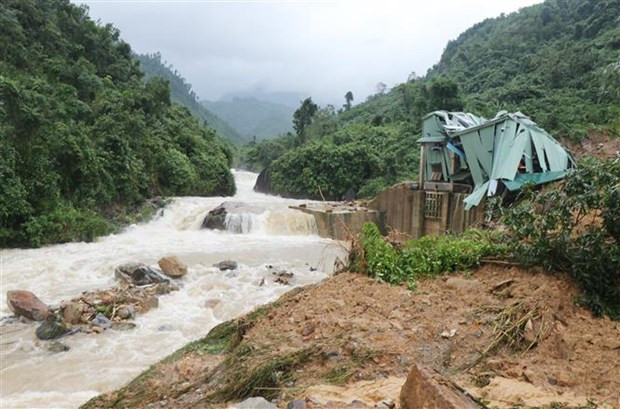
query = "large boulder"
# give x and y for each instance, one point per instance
(263, 182)
(216, 218)
(426, 388)
(26, 304)
(172, 266)
(139, 274)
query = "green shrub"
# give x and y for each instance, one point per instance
(572, 227)
(427, 256)
(64, 224)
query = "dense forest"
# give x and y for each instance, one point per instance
(83, 136)
(182, 93)
(254, 118)
(558, 62)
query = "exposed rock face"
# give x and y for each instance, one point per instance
(172, 266)
(226, 265)
(425, 388)
(263, 182)
(139, 274)
(51, 328)
(26, 304)
(216, 218)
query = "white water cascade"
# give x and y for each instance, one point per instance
(278, 236)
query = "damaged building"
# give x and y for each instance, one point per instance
(507, 151)
(465, 158)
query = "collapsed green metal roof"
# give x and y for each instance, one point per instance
(509, 148)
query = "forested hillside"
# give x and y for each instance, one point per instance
(82, 135)
(182, 92)
(252, 117)
(558, 62)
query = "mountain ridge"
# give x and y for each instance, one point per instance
(253, 117)
(182, 92)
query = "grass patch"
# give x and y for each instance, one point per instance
(263, 379)
(423, 257)
(338, 375)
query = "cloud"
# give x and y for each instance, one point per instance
(322, 48)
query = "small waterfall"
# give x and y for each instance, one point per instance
(275, 222)
(242, 223)
(290, 222)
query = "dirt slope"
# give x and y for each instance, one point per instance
(351, 338)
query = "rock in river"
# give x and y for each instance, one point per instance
(139, 274)
(51, 328)
(26, 304)
(72, 312)
(216, 218)
(56, 347)
(101, 321)
(226, 265)
(172, 266)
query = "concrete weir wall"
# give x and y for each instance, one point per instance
(399, 209)
(338, 222)
(420, 213)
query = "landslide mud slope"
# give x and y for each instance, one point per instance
(506, 335)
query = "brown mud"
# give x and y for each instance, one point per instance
(508, 336)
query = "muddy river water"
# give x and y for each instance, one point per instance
(31, 377)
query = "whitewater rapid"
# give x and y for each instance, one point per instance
(31, 377)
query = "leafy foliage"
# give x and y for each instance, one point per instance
(553, 61)
(424, 257)
(573, 227)
(81, 134)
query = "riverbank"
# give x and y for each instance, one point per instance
(351, 341)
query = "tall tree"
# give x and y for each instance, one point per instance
(303, 117)
(348, 97)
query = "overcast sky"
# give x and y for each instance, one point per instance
(321, 48)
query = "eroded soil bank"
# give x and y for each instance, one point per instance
(507, 336)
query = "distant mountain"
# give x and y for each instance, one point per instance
(182, 93)
(288, 98)
(252, 117)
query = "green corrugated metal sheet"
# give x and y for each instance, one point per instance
(500, 149)
(536, 178)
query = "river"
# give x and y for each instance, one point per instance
(31, 377)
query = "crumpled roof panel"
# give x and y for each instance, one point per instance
(510, 148)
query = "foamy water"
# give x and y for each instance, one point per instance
(32, 377)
